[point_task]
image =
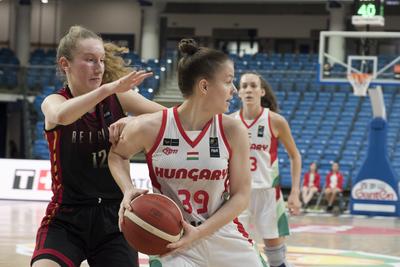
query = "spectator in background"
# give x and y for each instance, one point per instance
(334, 185)
(327, 69)
(311, 184)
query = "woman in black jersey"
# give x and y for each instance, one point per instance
(81, 220)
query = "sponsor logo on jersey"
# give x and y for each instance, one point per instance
(194, 174)
(260, 132)
(108, 118)
(214, 147)
(213, 141)
(168, 151)
(214, 152)
(259, 147)
(107, 114)
(170, 142)
(192, 155)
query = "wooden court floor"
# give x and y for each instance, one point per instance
(316, 240)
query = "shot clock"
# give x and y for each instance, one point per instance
(368, 12)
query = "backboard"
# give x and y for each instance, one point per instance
(344, 54)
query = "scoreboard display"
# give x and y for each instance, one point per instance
(369, 8)
(368, 12)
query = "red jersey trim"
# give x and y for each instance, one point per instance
(149, 154)
(183, 133)
(55, 253)
(53, 139)
(273, 151)
(269, 125)
(221, 129)
(277, 192)
(255, 120)
(241, 230)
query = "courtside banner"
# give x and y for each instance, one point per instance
(31, 179)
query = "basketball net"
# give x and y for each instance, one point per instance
(360, 82)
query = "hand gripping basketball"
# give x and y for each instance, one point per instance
(153, 222)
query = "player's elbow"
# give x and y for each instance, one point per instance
(60, 118)
(244, 202)
(243, 198)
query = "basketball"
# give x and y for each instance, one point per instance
(153, 223)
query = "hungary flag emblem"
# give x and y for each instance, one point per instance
(192, 156)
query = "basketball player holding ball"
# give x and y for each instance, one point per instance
(265, 129)
(81, 220)
(198, 158)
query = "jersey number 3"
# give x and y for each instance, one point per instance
(253, 162)
(200, 197)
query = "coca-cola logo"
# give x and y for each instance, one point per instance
(381, 194)
(168, 151)
(373, 189)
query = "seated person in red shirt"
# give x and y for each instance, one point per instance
(311, 184)
(334, 185)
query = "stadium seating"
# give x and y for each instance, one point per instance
(329, 112)
(328, 123)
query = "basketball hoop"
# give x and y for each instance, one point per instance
(360, 82)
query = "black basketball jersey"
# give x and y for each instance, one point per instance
(78, 155)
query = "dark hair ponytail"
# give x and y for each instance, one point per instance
(188, 47)
(197, 62)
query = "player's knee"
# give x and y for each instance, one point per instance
(328, 191)
(45, 263)
(314, 189)
(276, 255)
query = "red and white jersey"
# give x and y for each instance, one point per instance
(263, 150)
(191, 167)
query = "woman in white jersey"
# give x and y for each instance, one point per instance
(265, 129)
(199, 158)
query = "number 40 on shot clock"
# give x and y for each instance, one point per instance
(368, 12)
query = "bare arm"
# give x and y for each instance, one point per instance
(282, 131)
(59, 111)
(135, 103)
(137, 135)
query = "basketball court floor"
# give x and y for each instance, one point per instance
(318, 239)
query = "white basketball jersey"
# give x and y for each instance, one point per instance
(191, 167)
(263, 150)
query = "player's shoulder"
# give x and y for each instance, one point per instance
(232, 127)
(234, 114)
(146, 123)
(277, 119)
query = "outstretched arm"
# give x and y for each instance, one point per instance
(60, 111)
(135, 103)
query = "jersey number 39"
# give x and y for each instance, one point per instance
(199, 197)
